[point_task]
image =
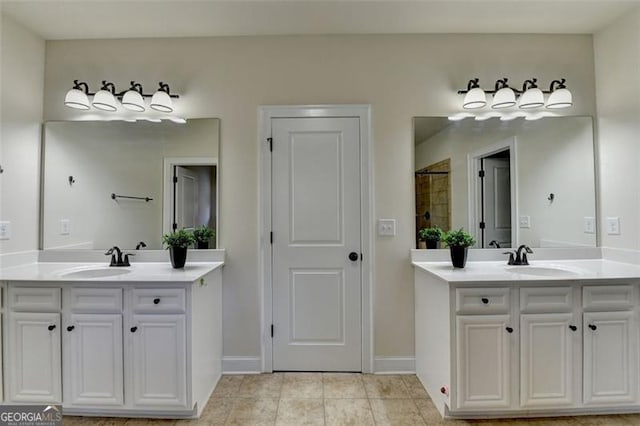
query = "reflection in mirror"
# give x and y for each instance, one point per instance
(507, 182)
(111, 183)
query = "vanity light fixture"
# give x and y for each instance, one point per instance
(105, 98)
(475, 96)
(132, 99)
(532, 97)
(560, 97)
(161, 100)
(504, 96)
(77, 97)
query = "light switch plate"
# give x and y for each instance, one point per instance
(525, 222)
(613, 226)
(387, 227)
(5, 230)
(589, 225)
(65, 227)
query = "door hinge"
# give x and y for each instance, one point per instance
(272, 331)
(482, 225)
(270, 140)
(175, 179)
(174, 226)
(481, 173)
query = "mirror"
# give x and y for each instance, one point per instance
(507, 182)
(107, 183)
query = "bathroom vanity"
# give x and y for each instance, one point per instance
(141, 341)
(551, 338)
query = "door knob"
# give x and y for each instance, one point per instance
(353, 256)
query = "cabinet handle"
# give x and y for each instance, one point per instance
(133, 329)
(156, 300)
(485, 300)
(593, 327)
(573, 327)
(70, 328)
(51, 327)
(509, 330)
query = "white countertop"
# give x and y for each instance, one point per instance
(567, 270)
(137, 272)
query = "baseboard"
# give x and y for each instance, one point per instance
(241, 365)
(394, 365)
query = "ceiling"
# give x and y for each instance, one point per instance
(91, 19)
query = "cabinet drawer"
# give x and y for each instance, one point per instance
(34, 299)
(103, 300)
(608, 297)
(546, 300)
(165, 300)
(483, 300)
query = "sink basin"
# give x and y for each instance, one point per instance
(543, 271)
(95, 273)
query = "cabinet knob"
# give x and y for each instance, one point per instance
(573, 327)
(509, 330)
(443, 390)
(133, 329)
(70, 328)
(593, 327)
(51, 327)
(485, 300)
(156, 300)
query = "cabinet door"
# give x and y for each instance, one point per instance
(485, 349)
(34, 366)
(548, 367)
(609, 358)
(158, 368)
(92, 355)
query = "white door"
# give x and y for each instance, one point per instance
(92, 359)
(159, 367)
(548, 365)
(485, 362)
(186, 198)
(497, 201)
(316, 227)
(34, 358)
(609, 358)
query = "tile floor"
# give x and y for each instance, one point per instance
(298, 399)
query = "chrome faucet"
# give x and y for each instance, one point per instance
(517, 257)
(116, 257)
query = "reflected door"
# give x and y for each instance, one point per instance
(316, 226)
(496, 202)
(186, 198)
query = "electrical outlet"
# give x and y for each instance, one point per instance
(589, 225)
(65, 227)
(613, 226)
(5, 230)
(525, 222)
(387, 227)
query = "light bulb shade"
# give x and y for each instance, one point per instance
(76, 99)
(475, 98)
(532, 98)
(132, 100)
(504, 98)
(560, 98)
(161, 101)
(105, 101)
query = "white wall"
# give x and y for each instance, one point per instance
(121, 158)
(21, 92)
(554, 155)
(617, 64)
(401, 76)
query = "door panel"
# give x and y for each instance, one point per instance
(497, 201)
(316, 224)
(186, 198)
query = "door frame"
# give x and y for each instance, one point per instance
(167, 190)
(474, 202)
(265, 115)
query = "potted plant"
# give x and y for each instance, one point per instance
(431, 236)
(458, 242)
(177, 242)
(202, 236)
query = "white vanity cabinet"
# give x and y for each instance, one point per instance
(106, 348)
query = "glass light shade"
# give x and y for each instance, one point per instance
(560, 98)
(133, 101)
(76, 99)
(475, 98)
(104, 100)
(532, 98)
(161, 101)
(504, 98)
